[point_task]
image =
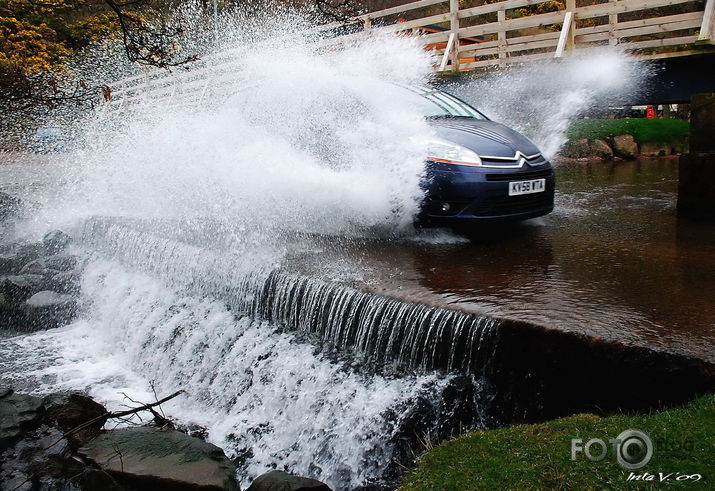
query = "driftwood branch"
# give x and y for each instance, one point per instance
(115, 415)
(104, 417)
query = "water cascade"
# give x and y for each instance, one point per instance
(378, 330)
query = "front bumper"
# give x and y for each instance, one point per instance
(458, 195)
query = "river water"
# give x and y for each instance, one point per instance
(288, 371)
(613, 260)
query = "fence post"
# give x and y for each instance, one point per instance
(454, 30)
(706, 29)
(501, 35)
(612, 21)
(566, 39)
(571, 38)
(696, 170)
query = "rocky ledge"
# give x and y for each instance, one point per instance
(39, 284)
(616, 147)
(57, 442)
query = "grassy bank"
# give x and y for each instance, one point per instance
(539, 456)
(671, 131)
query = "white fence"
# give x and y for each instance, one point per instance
(465, 39)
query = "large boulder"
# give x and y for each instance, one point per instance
(17, 288)
(8, 263)
(96, 480)
(66, 282)
(36, 453)
(601, 149)
(56, 241)
(68, 410)
(39, 461)
(576, 149)
(61, 262)
(625, 146)
(29, 251)
(282, 481)
(47, 309)
(26, 306)
(37, 267)
(50, 265)
(18, 413)
(153, 458)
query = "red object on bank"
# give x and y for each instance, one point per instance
(649, 112)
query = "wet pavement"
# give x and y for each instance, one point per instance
(613, 260)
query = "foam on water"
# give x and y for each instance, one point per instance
(261, 393)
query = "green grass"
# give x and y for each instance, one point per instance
(672, 131)
(539, 456)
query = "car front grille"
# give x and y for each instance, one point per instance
(510, 205)
(520, 176)
(537, 159)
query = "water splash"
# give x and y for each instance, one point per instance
(197, 202)
(541, 99)
(266, 397)
(306, 143)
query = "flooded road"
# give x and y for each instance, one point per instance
(613, 260)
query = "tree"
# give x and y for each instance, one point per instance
(39, 37)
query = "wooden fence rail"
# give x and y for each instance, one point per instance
(496, 33)
(464, 39)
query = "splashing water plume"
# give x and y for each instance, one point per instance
(296, 145)
(541, 99)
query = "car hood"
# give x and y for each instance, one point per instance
(486, 138)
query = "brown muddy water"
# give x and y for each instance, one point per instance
(613, 260)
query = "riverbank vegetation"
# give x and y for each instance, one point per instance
(538, 456)
(671, 131)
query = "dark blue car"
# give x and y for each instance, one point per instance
(479, 171)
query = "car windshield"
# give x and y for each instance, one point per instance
(428, 101)
(433, 103)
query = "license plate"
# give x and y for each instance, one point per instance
(527, 187)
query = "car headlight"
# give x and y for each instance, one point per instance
(444, 151)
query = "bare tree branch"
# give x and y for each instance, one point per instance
(340, 10)
(144, 43)
(115, 415)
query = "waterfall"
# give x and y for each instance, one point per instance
(377, 330)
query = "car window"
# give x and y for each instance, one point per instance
(441, 104)
(428, 101)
